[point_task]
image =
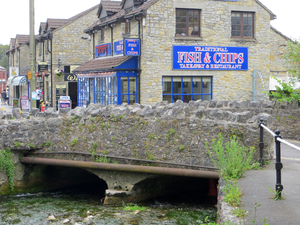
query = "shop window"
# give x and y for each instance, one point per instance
(187, 22)
(242, 25)
(83, 92)
(105, 90)
(128, 90)
(187, 88)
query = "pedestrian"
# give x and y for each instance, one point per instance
(3, 96)
(7, 96)
(38, 96)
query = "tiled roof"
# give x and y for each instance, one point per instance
(13, 42)
(101, 65)
(42, 28)
(121, 14)
(22, 39)
(111, 6)
(55, 23)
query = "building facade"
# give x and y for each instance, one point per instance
(190, 50)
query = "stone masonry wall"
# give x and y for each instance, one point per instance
(159, 37)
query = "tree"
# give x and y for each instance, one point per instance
(3, 56)
(292, 58)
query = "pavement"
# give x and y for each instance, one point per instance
(256, 185)
(6, 108)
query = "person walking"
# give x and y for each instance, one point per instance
(7, 96)
(3, 96)
(38, 96)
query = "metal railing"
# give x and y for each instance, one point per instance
(278, 141)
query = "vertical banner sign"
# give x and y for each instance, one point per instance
(210, 58)
(103, 50)
(118, 48)
(132, 47)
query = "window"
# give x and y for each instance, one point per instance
(106, 90)
(128, 90)
(187, 88)
(187, 22)
(242, 25)
(127, 27)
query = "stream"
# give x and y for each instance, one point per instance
(77, 208)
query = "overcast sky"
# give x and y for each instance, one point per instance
(14, 15)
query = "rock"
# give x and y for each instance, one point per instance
(65, 221)
(51, 218)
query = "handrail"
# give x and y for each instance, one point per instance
(289, 144)
(267, 129)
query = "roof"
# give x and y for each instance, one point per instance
(278, 32)
(109, 6)
(22, 39)
(55, 23)
(102, 64)
(42, 28)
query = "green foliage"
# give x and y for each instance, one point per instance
(31, 145)
(275, 194)
(74, 142)
(232, 194)
(292, 58)
(4, 57)
(131, 207)
(285, 91)
(48, 144)
(150, 156)
(181, 148)
(102, 159)
(17, 144)
(151, 136)
(7, 165)
(231, 159)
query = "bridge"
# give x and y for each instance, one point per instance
(133, 152)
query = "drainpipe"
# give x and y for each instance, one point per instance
(112, 39)
(139, 63)
(93, 44)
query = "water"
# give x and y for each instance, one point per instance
(79, 208)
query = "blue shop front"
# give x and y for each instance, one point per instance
(109, 80)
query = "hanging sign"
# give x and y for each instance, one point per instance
(210, 58)
(132, 47)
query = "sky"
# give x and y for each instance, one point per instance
(14, 15)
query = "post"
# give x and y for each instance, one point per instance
(278, 164)
(261, 144)
(32, 54)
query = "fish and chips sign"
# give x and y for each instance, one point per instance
(210, 58)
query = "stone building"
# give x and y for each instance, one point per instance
(18, 59)
(189, 50)
(60, 45)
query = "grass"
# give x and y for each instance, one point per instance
(133, 207)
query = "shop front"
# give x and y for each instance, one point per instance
(113, 85)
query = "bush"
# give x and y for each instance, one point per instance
(230, 158)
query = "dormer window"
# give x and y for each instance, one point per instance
(103, 19)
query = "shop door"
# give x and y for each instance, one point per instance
(72, 86)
